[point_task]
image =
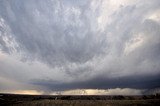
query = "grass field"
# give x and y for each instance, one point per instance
(90, 103)
(45, 100)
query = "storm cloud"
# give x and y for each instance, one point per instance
(89, 44)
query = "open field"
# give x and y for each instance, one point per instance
(67, 100)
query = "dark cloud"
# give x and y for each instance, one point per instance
(101, 82)
(81, 44)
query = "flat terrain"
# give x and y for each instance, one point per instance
(67, 100)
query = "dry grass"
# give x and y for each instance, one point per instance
(78, 100)
(91, 103)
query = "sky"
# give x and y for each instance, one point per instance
(99, 47)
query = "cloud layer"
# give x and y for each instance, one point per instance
(87, 44)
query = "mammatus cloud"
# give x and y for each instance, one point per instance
(89, 44)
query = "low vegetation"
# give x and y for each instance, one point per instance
(45, 100)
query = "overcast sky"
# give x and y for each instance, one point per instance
(79, 46)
